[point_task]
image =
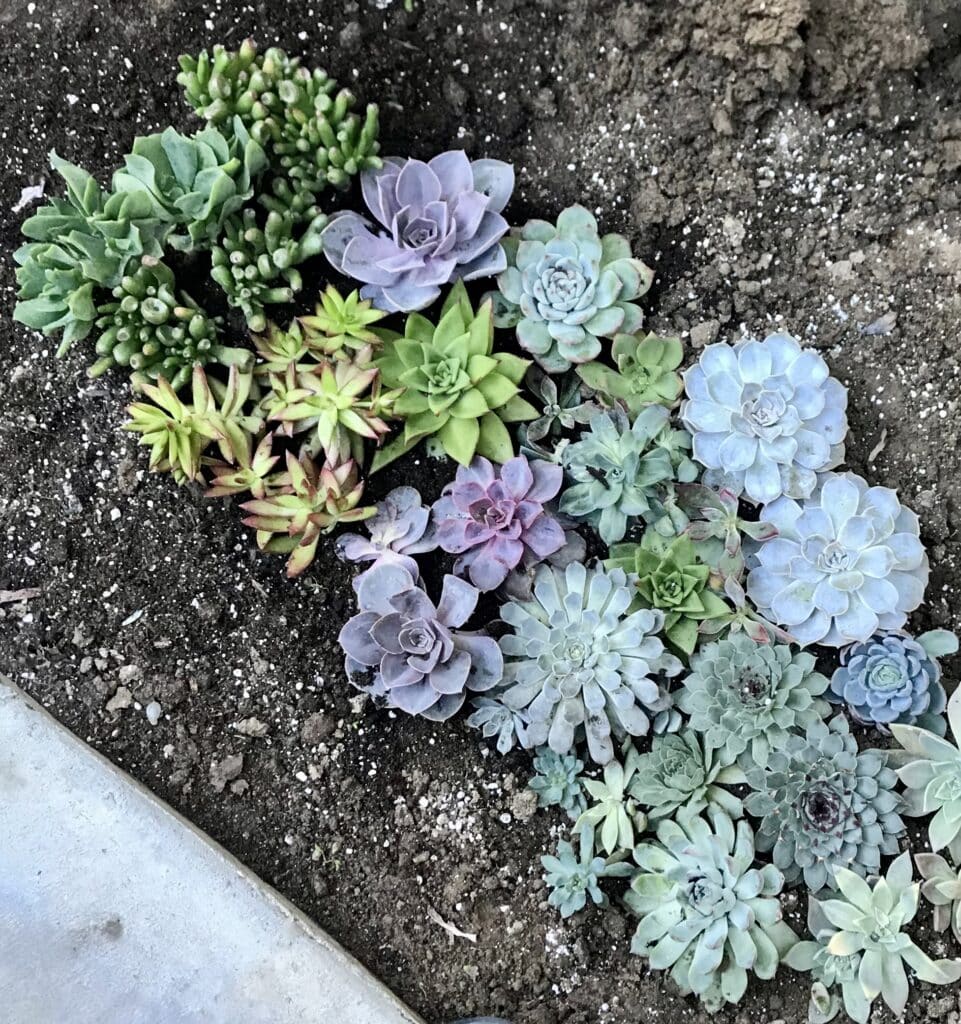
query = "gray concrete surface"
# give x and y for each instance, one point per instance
(115, 910)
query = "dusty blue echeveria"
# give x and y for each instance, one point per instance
(494, 719)
(746, 697)
(492, 517)
(400, 529)
(576, 660)
(436, 222)
(404, 650)
(572, 877)
(894, 678)
(824, 805)
(556, 781)
(765, 416)
(846, 562)
(618, 470)
(566, 287)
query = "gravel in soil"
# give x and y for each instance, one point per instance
(783, 163)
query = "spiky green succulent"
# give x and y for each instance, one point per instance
(824, 805)
(340, 326)
(457, 387)
(572, 877)
(257, 266)
(249, 469)
(746, 698)
(860, 943)
(556, 781)
(942, 889)
(646, 372)
(706, 913)
(672, 578)
(612, 808)
(680, 777)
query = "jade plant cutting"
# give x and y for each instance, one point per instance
(649, 572)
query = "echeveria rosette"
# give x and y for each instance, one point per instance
(566, 287)
(847, 562)
(494, 719)
(862, 946)
(746, 698)
(572, 877)
(706, 913)
(556, 781)
(491, 517)
(824, 805)
(563, 406)
(577, 660)
(671, 578)
(436, 222)
(411, 654)
(399, 530)
(895, 678)
(646, 372)
(765, 417)
(617, 469)
(942, 889)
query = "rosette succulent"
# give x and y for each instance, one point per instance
(494, 719)
(576, 660)
(861, 945)
(566, 287)
(846, 562)
(436, 222)
(457, 387)
(646, 372)
(618, 470)
(573, 877)
(556, 782)
(705, 911)
(411, 654)
(671, 578)
(681, 776)
(490, 518)
(824, 805)
(895, 678)
(398, 530)
(942, 889)
(341, 326)
(563, 406)
(746, 698)
(612, 807)
(765, 416)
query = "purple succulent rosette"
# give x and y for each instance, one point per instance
(490, 518)
(404, 650)
(400, 529)
(442, 222)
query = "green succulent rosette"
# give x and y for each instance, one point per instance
(646, 372)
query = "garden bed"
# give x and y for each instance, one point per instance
(787, 159)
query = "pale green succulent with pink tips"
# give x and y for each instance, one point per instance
(567, 286)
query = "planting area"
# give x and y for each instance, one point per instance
(788, 164)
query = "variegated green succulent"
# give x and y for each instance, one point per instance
(646, 372)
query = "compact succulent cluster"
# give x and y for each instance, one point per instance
(647, 562)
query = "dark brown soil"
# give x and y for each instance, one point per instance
(775, 160)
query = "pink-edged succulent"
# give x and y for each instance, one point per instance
(492, 517)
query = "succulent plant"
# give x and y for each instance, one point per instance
(846, 562)
(612, 807)
(195, 183)
(399, 530)
(279, 349)
(563, 406)
(494, 719)
(895, 678)
(150, 329)
(250, 470)
(341, 326)
(646, 372)
(765, 417)
(436, 222)
(705, 911)
(930, 770)
(576, 660)
(306, 502)
(573, 877)
(491, 517)
(617, 470)
(457, 387)
(672, 579)
(824, 805)
(520, 581)
(257, 266)
(557, 782)
(225, 84)
(53, 294)
(743, 616)
(408, 653)
(942, 889)
(682, 776)
(566, 287)
(746, 698)
(860, 942)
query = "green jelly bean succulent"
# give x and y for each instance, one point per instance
(556, 781)
(456, 386)
(861, 946)
(671, 577)
(942, 889)
(746, 698)
(258, 266)
(612, 807)
(341, 325)
(572, 877)
(646, 372)
(705, 911)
